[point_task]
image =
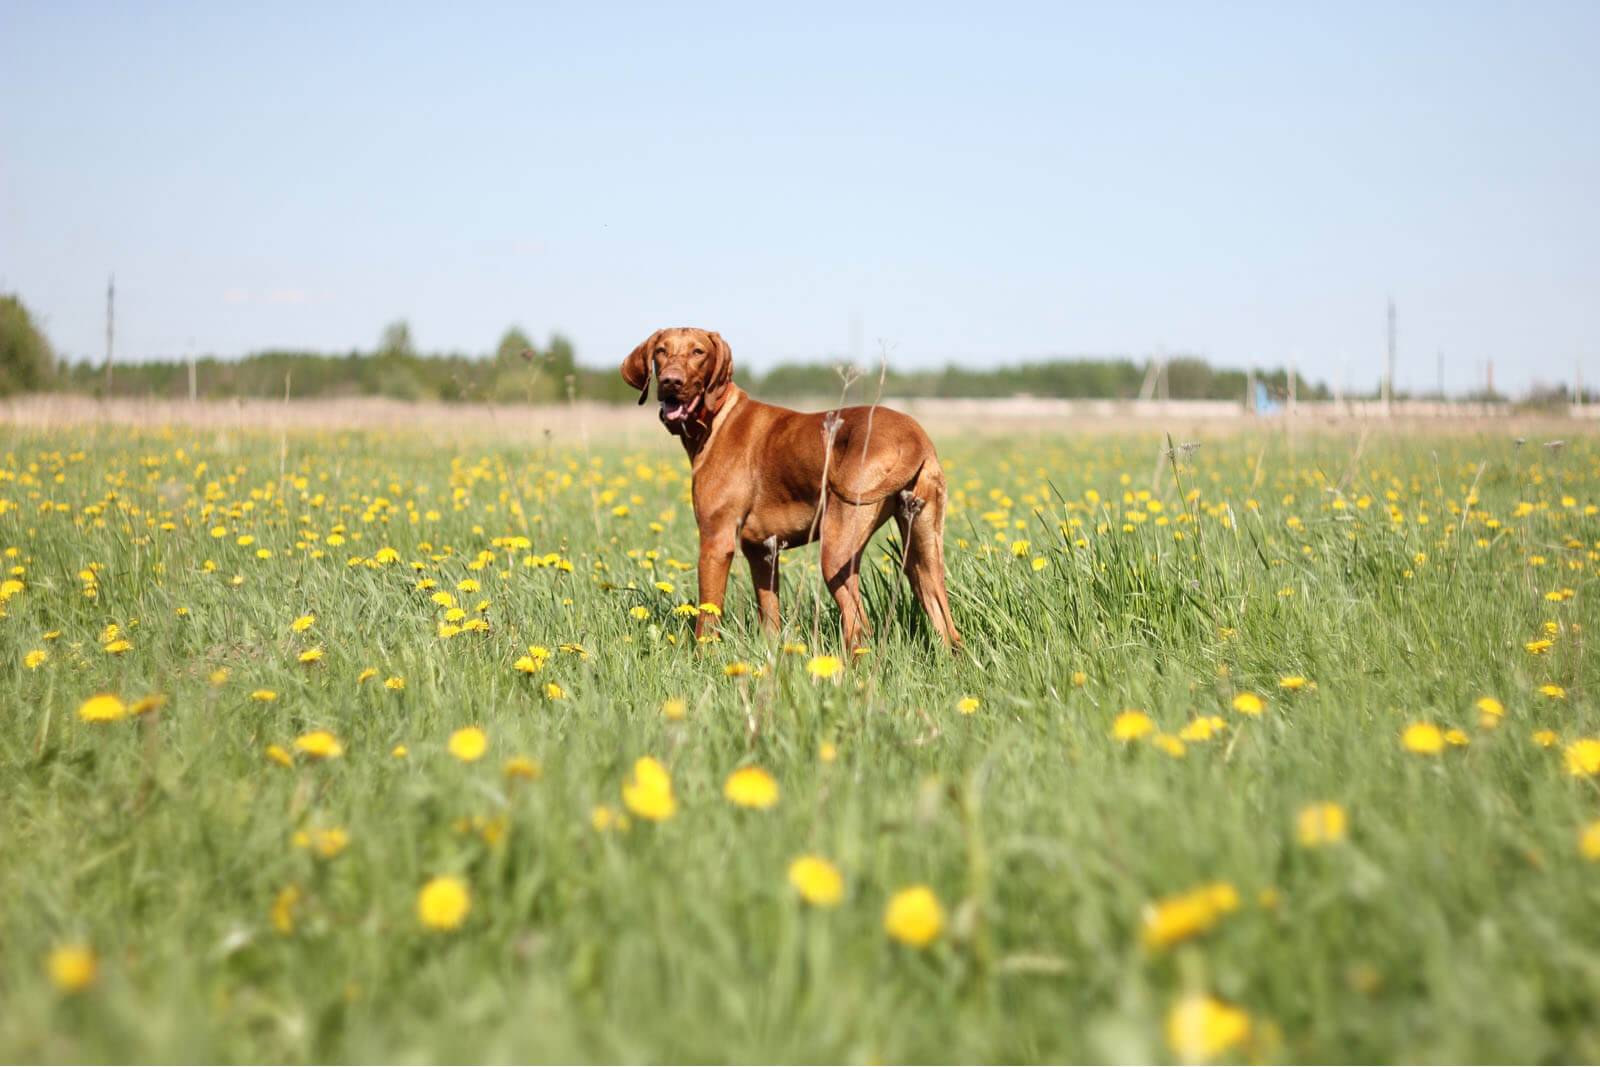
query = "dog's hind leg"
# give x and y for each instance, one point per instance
(846, 529)
(920, 516)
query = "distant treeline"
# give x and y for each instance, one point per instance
(521, 370)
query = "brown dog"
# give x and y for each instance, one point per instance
(758, 482)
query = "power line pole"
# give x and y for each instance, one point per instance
(1388, 376)
(111, 319)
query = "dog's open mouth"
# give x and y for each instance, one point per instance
(677, 410)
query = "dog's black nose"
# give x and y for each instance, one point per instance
(671, 381)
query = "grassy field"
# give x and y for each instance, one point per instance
(1215, 777)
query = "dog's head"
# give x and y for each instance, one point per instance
(693, 370)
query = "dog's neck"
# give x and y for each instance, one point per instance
(697, 433)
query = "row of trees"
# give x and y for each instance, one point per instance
(1185, 378)
(521, 370)
(27, 363)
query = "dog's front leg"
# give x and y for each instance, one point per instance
(716, 556)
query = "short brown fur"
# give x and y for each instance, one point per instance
(758, 479)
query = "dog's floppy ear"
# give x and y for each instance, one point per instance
(721, 376)
(636, 368)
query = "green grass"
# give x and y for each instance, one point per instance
(1457, 922)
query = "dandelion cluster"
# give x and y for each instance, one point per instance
(363, 745)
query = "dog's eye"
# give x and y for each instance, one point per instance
(699, 351)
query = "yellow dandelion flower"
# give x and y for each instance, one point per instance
(310, 655)
(399, 752)
(279, 755)
(319, 744)
(553, 691)
(264, 696)
(303, 623)
(639, 612)
(1292, 683)
(1321, 824)
(823, 667)
(1203, 728)
(1539, 647)
(604, 817)
(35, 658)
(734, 670)
(751, 787)
(673, 709)
(325, 844)
(648, 794)
(1583, 757)
(968, 705)
(119, 646)
(818, 882)
(1554, 692)
(1080, 679)
(468, 744)
(522, 769)
(284, 906)
(444, 903)
(1185, 915)
(914, 917)
(1545, 738)
(1589, 842)
(1249, 704)
(1131, 725)
(1201, 1028)
(1172, 746)
(367, 674)
(1423, 738)
(72, 968)
(1456, 737)
(394, 683)
(103, 707)
(827, 752)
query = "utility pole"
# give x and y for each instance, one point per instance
(1388, 375)
(111, 319)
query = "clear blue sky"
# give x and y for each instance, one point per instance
(979, 182)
